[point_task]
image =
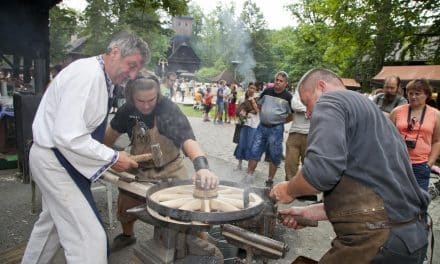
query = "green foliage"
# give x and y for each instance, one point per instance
(205, 73)
(356, 38)
(103, 18)
(99, 26)
(189, 111)
(353, 38)
(252, 17)
(62, 25)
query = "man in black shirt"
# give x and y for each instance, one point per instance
(150, 118)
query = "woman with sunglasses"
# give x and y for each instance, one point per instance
(419, 125)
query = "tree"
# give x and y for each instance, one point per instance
(103, 18)
(252, 17)
(62, 25)
(364, 35)
(224, 41)
(255, 23)
(98, 25)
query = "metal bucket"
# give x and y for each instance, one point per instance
(229, 251)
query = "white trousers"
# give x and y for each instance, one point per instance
(66, 221)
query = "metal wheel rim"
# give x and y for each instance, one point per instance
(205, 217)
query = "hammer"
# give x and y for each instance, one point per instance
(155, 155)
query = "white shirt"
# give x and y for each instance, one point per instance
(252, 120)
(300, 123)
(73, 106)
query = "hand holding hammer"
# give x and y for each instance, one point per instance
(155, 155)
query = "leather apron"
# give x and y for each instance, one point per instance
(355, 211)
(171, 165)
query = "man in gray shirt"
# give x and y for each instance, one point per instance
(358, 159)
(390, 98)
(275, 110)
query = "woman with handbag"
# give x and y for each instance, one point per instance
(247, 112)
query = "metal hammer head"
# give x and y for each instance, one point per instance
(156, 155)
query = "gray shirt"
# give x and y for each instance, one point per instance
(275, 107)
(389, 106)
(350, 136)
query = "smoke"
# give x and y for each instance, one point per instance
(237, 42)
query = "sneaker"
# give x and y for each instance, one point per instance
(121, 241)
(220, 122)
(269, 183)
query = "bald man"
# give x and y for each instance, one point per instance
(359, 161)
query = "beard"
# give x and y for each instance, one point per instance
(389, 97)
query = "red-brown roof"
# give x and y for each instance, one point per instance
(430, 72)
(350, 82)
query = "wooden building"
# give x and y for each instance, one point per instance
(408, 73)
(181, 57)
(24, 27)
(351, 84)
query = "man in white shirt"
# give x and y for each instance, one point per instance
(68, 155)
(296, 143)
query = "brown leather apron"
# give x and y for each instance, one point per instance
(172, 160)
(356, 213)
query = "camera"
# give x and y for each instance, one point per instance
(410, 143)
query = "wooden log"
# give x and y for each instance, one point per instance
(177, 202)
(221, 206)
(206, 205)
(161, 197)
(194, 205)
(142, 157)
(133, 187)
(182, 189)
(235, 202)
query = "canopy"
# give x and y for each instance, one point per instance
(408, 73)
(351, 83)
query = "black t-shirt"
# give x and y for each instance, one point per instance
(170, 121)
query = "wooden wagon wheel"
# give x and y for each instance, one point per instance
(182, 202)
(229, 199)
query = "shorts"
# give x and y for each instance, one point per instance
(232, 110)
(207, 108)
(269, 140)
(220, 107)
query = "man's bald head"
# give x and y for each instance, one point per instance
(310, 78)
(316, 82)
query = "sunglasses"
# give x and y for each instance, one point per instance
(412, 124)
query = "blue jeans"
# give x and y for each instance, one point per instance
(395, 251)
(422, 171)
(269, 139)
(220, 106)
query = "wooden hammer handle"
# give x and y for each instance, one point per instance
(302, 221)
(142, 157)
